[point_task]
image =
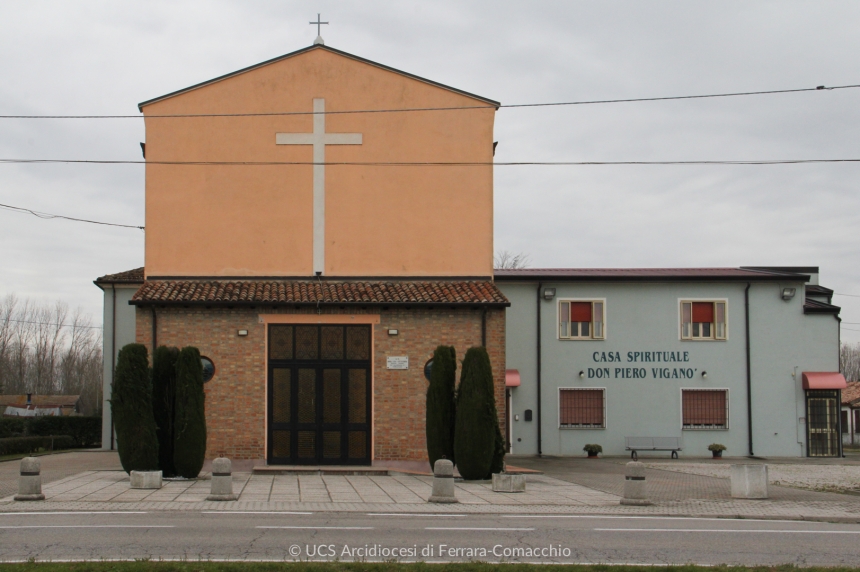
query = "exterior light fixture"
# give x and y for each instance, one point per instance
(242, 332)
(548, 293)
(788, 293)
(705, 374)
(393, 332)
(581, 374)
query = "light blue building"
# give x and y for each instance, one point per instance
(745, 357)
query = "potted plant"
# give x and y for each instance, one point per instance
(717, 450)
(592, 450)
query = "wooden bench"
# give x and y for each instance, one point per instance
(635, 444)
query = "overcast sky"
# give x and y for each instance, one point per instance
(89, 57)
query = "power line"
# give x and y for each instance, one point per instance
(50, 216)
(849, 295)
(50, 324)
(430, 163)
(413, 109)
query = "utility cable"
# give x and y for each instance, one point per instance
(430, 163)
(73, 326)
(50, 216)
(465, 107)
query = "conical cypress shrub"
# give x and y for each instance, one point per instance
(475, 433)
(163, 399)
(131, 408)
(189, 428)
(440, 405)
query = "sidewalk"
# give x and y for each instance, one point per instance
(570, 486)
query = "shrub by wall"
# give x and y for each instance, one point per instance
(475, 433)
(163, 405)
(131, 407)
(189, 428)
(27, 445)
(440, 405)
(84, 431)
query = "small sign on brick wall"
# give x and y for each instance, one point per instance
(398, 362)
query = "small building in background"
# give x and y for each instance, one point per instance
(29, 405)
(851, 414)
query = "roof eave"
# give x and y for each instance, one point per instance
(223, 304)
(141, 105)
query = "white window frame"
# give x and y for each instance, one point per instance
(601, 389)
(713, 337)
(728, 410)
(591, 335)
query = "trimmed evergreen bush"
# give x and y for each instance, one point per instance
(440, 405)
(189, 429)
(12, 427)
(163, 399)
(131, 407)
(476, 425)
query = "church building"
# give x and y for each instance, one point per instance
(317, 224)
(289, 240)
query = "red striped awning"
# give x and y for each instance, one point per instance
(823, 380)
(512, 378)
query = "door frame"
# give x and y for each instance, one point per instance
(836, 395)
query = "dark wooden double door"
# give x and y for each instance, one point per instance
(319, 394)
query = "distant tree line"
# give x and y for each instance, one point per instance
(850, 357)
(46, 349)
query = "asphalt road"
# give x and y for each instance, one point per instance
(422, 537)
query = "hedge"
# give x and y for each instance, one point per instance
(12, 427)
(84, 431)
(26, 445)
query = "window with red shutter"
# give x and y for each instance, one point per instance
(581, 408)
(581, 319)
(704, 320)
(705, 408)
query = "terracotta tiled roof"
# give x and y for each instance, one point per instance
(40, 400)
(229, 292)
(851, 393)
(663, 274)
(128, 277)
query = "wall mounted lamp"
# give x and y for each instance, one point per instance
(393, 332)
(548, 293)
(788, 293)
(705, 375)
(581, 374)
(242, 332)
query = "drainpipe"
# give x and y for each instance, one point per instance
(539, 428)
(112, 359)
(749, 368)
(484, 327)
(154, 330)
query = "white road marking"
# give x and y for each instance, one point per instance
(320, 527)
(744, 531)
(92, 526)
(476, 528)
(409, 514)
(676, 518)
(252, 512)
(36, 513)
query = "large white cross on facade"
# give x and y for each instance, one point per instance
(319, 139)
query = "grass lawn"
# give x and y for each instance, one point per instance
(148, 566)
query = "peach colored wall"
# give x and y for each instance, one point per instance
(258, 221)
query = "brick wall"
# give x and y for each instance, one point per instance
(236, 397)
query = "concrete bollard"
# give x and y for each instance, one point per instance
(30, 481)
(443, 482)
(222, 480)
(749, 481)
(634, 485)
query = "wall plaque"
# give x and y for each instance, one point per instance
(398, 362)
